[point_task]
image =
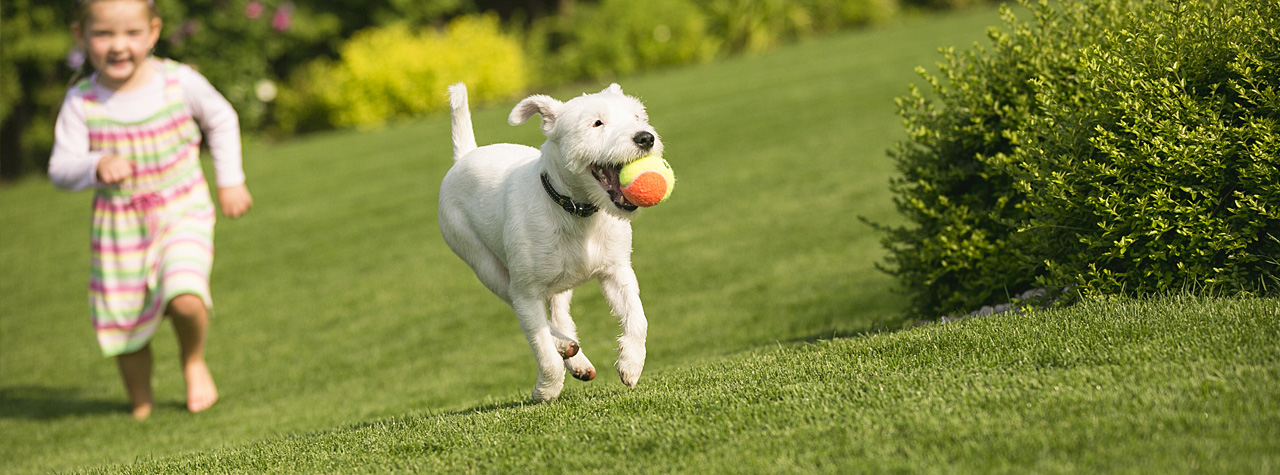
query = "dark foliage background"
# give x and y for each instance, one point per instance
(239, 44)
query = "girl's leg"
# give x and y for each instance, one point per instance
(191, 323)
(136, 369)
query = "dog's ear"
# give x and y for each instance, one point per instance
(613, 88)
(539, 104)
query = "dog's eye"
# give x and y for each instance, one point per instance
(598, 123)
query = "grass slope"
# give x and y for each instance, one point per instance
(1153, 386)
(337, 302)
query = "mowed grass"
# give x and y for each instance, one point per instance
(1171, 385)
(347, 337)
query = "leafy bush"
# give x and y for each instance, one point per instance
(234, 43)
(254, 51)
(1162, 161)
(942, 4)
(754, 25)
(757, 25)
(617, 37)
(237, 43)
(829, 15)
(1121, 147)
(960, 251)
(394, 72)
(33, 78)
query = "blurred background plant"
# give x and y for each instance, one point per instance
(391, 72)
(239, 44)
(295, 66)
(617, 37)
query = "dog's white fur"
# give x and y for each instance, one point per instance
(496, 216)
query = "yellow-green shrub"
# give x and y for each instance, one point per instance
(394, 72)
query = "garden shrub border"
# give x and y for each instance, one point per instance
(1085, 150)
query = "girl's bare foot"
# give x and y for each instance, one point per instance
(136, 369)
(141, 412)
(191, 322)
(201, 392)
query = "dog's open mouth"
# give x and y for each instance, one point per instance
(607, 176)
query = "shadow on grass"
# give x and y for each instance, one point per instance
(880, 326)
(491, 407)
(46, 403)
(414, 419)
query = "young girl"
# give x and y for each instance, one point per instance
(129, 130)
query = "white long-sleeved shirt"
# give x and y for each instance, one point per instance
(74, 167)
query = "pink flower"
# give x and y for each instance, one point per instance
(188, 29)
(254, 9)
(283, 17)
(75, 58)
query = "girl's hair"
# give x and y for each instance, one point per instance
(83, 11)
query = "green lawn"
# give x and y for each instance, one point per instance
(1160, 386)
(347, 337)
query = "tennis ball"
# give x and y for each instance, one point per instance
(647, 181)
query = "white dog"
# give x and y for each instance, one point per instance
(534, 224)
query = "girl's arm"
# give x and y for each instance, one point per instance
(72, 166)
(220, 124)
(221, 128)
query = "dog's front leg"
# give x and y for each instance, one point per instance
(532, 312)
(622, 291)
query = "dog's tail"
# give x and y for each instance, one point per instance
(464, 138)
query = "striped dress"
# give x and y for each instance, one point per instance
(151, 236)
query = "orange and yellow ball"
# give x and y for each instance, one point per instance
(647, 181)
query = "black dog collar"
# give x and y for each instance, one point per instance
(581, 210)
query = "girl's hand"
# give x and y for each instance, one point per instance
(114, 169)
(235, 200)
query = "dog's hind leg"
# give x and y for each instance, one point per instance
(532, 312)
(562, 326)
(493, 274)
(566, 333)
(464, 241)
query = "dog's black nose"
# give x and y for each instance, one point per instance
(643, 139)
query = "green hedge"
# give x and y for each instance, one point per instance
(396, 72)
(1113, 146)
(617, 37)
(33, 81)
(237, 44)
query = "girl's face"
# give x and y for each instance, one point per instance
(118, 36)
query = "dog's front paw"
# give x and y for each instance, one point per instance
(545, 394)
(629, 374)
(630, 364)
(550, 382)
